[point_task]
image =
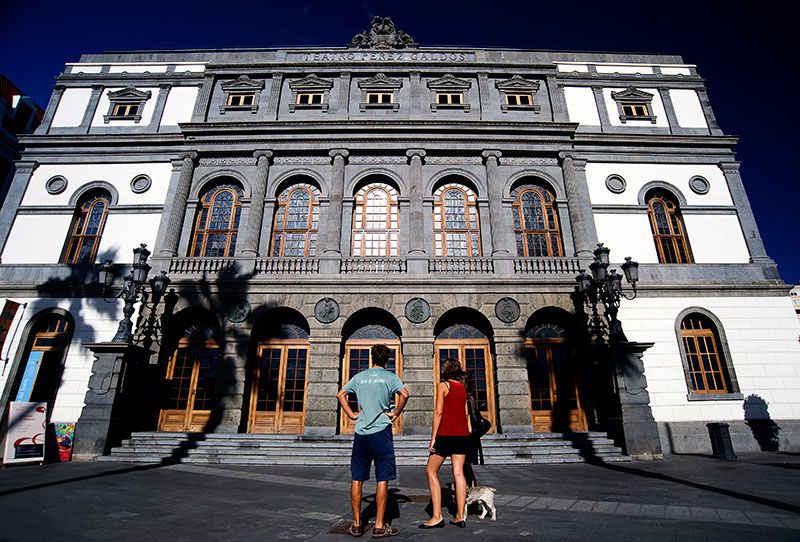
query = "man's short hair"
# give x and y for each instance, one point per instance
(380, 355)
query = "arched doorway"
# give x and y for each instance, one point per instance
(464, 334)
(553, 376)
(191, 375)
(44, 357)
(279, 374)
(362, 331)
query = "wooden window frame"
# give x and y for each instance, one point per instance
(518, 210)
(240, 97)
(309, 96)
(207, 203)
(284, 345)
(440, 229)
(360, 231)
(312, 229)
(676, 239)
(517, 97)
(77, 236)
(193, 420)
(447, 98)
(713, 334)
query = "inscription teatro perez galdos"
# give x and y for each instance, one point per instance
(385, 56)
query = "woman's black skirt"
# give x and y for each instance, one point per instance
(446, 446)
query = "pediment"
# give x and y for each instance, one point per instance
(311, 82)
(448, 82)
(631, 93)
(243, 82)
(380, 82)
(129, 93)
(518, 83)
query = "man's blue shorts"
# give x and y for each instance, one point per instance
(378, 447)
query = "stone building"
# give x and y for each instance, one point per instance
(308, 203)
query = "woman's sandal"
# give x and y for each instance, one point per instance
(355, 530)
(387, 530)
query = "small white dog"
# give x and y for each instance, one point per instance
(484, 496)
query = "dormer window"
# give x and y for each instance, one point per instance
(126, 104)
(310, 92)
(379, 92)
(448, 92)
(518, 94)
(634, 104)
(241, 94)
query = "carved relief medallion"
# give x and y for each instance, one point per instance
(326, 310)
(417, 310)
(238, 310)
(507, 310)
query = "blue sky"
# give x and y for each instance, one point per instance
(745, 50)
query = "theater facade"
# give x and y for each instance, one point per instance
(308, 203)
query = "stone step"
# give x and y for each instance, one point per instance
(346, 445)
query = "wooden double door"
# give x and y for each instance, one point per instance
(555, 396)
(191, 377)
(357, 358)
(278, 388)
(476, 359)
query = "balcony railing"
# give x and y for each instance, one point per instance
(546, 266)
(460, 265)
(202, 266)
(373, 265)
(287, 266)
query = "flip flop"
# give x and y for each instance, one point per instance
(355, 530)
(387, 531)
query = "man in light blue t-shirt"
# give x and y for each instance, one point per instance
(373, 440)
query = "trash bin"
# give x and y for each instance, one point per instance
(721, 440)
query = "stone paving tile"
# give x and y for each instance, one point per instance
(582, 506)
(605, 507)
(655, 510)
(628, 509)
(702, 513)
(762, 518)
(561, 504)
(521, 502)
(792, 523)
(677, 512)
(734, 516)
(504, 499)
(541, 502)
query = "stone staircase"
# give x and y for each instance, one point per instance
(247, 449)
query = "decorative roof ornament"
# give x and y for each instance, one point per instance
(383, 35)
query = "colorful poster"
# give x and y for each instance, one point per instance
(65, 434)
(6, 318)
(25, 433)
(29, 376)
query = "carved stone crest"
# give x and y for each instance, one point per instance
(507, 310)
(238, 310)
(383, 35)
(417, 310)
(326, 310)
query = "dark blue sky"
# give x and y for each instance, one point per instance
(745, 50)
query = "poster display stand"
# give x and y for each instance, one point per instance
(25, 433)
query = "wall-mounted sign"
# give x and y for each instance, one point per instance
(29, 376)
(507, 310)
(326, 310)
(417, 310)
(6, 319)
(25, 435)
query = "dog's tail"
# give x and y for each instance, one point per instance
(493, 490)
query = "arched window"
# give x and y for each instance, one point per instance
(668, 230)
(217, 222)
(707, 370)
(535, 222)
(87, 227)
(376, 221)
(294, 232)
(455, 222)
(40, 377)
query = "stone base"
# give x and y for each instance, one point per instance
(318, 431)
(758, 436)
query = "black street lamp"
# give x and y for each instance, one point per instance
(133, 287)
(604, 287)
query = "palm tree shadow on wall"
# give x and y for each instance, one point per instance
(765, 430)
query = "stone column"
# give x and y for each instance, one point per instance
(584, 233)
(758, 254)
(344, 94)
(203, 99)
(161, 102)
(22, 176)
(513, 397)
(91, 108)
(415, 89)
(226, 410)
(175, 209)
(253, 227)
(417, 257)
(503, 262)
(110, 400)
(331, 254)
(557, 101)
(52, 106)
(322, 408)
(274, 95)
(669, 109)
(484, 93)
(418, 377)
(602, 110)
(702, 95)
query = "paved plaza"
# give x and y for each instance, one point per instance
(684, 497)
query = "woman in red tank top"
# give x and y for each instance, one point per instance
(449, 438)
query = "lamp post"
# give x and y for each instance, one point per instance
(132, 288)
(603, 287)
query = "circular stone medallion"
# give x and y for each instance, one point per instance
(326, 310)
(615, 184)
(238, 311)
(141, 184)
(507, 310)
(699, 185)
(55, 185)
(417, 310)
